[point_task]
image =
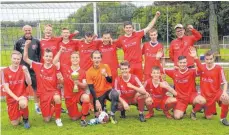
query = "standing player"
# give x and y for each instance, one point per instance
(34, 53)
(73, 98)
(131, 45)
(150, 50)
(212, 77)
(14, 78)
(131, 90)
(86, 47)
(184, 82)
(180, 46)
(99, 81)
(108, 50)
(46, 75)
(158, 99)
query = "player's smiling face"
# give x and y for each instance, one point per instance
(48, 31)
(96, 58)
(88, 39)
(48, 57)
(180, 32)
(27, 32)
(182, 64)
(75, 59)
(153, 36)
(65, 34)
(16, 59)
(209, 60)
(124, 70)
(128, 29)
(106, 39)
(156, 74)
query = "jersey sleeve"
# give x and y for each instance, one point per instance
(5, 77)
(36, 66)
(140, 33)
(196, 35)
(169, 72)
(118, 43)
(89, 77)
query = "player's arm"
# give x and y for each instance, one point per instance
(27, 75)
(57, 57)
(195, 34)
(152, 23)
(139, 89)
(193, 53)
(8, 91)
(165, 85)
(25, 55)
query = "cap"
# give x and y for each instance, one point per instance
(178, 26)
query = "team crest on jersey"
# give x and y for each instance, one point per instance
(34, 47)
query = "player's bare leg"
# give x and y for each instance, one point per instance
(198, 102)
(23, 104)
(57, 101)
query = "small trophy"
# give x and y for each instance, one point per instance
(75, 76)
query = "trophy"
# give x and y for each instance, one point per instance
(75, 76)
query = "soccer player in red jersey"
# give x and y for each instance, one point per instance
(212, 77)
(86, 47)
(184, 82)
(99, 81)
(158, 98)
(108, 49)
(72, 98)
(51, 42)
(180, 45)
(131, 45)
(14, 78)
(46, 75)
(150, 50)
(131, 90)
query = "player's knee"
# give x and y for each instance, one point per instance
(57, 99)
(202, 101)
(177, 117)
(149, 101)
(209, 117)
(15, 122)
(114, 95)
(23, 104)
(47, 119)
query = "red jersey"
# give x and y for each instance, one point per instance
(85, 51)
(109, 55)
(184, 82)
(211, 80)
(68, 82)
(46, 78)
(154, 91)
(132, 47)
(150, 51)
(180, 46)
(126, 92)
(16, 81)
(71, 46)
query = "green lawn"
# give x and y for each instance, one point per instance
(129, 126)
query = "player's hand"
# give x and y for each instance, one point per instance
(164, 84)
(224, 96)
(163, 77)
(174, 93)
(129, 85)
(27, 43)
(157, 14)
(20, 98)
(98, 106)
(103, 72)
(176, 67)
(159, 54)
(76, 82)
(126, 106)
(147, 95)
(189, 27)
(62, 49)
(192, 52)
(59, 76)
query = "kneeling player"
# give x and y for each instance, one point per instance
(74, 90)
(131, 90)
(158, 98)
(46, 75)
(14, 78)
(211, 78)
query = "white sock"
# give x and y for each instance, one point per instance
(36, 105)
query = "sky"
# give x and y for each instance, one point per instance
(45, 11)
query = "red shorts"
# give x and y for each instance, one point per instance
(182, 104)
(46, 101)
(71, 104)
(130, 101)
(210, 106)
(14, 111)
(159, 102)
(136, 69)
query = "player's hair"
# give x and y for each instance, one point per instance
(65, 28)
(124, 63)
(152, 30)
(47, 50)
(96, 52)
(75, 52)
(209, 53)
(155, 68)
(26, 26)
(106, 32)
(127, 23)
(16, 52)
(48, 25)
(181, 57)
(89, 34)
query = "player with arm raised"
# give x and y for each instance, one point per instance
(74, 96)
(213, 85)
(14, 78)
(46, 75)
(131, 45)
(158, 98)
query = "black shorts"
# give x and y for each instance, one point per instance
(102, 99)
